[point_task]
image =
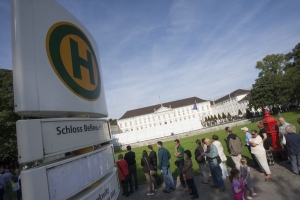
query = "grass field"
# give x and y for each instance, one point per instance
(189, 143)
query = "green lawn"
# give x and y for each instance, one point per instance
(189, 143)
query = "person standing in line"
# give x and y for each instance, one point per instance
(223, 158)
(130, 159)
(206, 162)
(146, 163)
(2, 184)
(282, 126)
(179, 154)
(234, 146)
(292, 142)
(257, 148)
(164, 166)
(238, 185)
(16, 183)
(245, 174)
(123, 174)
(248, 137)
(7, 176)
(153, 157)
(282, 132)
(200, 159)
(266, 141)
(189, 174)
(298, 121)
(211, 156)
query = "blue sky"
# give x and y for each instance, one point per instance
(176, 49)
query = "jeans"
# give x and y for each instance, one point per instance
(125, 185)
(295, 161)
(169, 181)
(191, 184)
(8, 192)
(132, 172)
(203, 172)
(1, 193)
(216, 174)
(180, 174)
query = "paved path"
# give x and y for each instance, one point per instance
(284, 185)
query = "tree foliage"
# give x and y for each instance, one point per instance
(269, 87)
(248, 114)
(240, 112)
(223, 116)
(292, 74)
(8, 138)
(219, 116)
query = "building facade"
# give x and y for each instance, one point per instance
(182, 110)
(166, 113)
(231, 103)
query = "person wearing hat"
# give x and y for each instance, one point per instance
(248, 137)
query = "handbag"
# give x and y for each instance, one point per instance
(152, 172)
(218, 159)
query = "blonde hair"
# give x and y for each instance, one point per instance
(260, 125)
(244, 163)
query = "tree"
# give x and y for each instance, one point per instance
(112, 121)
(208, 118)
(248, 114)
(240, 112)
(228, 115)
(215, 117)
(269, 87)
(223, 116)
(292, 74)
(8, 138)
(205, 119)
(219, 116)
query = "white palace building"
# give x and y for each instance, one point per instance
(185, 111)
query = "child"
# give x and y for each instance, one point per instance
(189, 174)
(238, 185)
(123, 174)
(245, 174)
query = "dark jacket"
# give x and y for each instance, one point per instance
(153, 157)
(188, 169)
(130, 158)
(292, 143)
(147, 168)
(198, 152)
(234, 144)
(163, 158)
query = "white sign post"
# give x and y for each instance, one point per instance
(58, 135)
(57, 74)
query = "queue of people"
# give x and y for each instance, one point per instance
(211, 159)
(6, 179)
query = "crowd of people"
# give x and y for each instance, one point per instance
(211, 159)
(7, 177)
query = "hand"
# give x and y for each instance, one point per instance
(203, 153)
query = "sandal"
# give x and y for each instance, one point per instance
(254, 194)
